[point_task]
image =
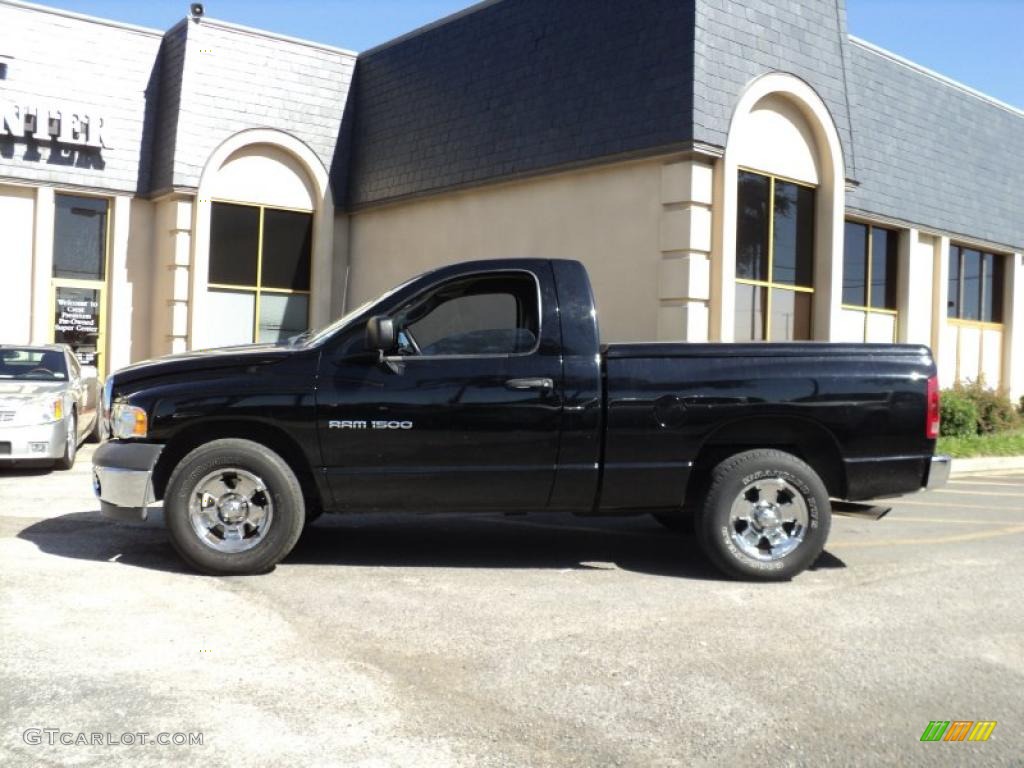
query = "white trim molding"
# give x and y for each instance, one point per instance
(323, 225)
(830, 205)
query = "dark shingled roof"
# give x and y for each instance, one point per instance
(514, 87)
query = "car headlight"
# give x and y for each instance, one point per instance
(44, 410)
(128, 421)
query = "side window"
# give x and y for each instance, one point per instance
(491, 315)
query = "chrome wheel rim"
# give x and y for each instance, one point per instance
(769, 519)
(231, 510)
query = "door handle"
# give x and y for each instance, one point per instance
(543, 384)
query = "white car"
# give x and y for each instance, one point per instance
(48, 404)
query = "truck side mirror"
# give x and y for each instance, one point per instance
(381, 334)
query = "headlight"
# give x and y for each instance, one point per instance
(44, 410)
(127, 421)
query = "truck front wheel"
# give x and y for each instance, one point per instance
(233, 507)
(766, 516)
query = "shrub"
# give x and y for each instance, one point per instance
(959, 415)
(996, 412)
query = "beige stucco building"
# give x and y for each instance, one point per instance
(736, 173)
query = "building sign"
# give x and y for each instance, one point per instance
(77, 322)
(54, 123)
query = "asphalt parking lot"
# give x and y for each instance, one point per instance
(522, 641)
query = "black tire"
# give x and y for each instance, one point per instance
(786, 475)
(67, 461)
(283, 490)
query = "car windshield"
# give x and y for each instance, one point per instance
(33, 364)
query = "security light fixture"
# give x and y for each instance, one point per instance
(197, 10)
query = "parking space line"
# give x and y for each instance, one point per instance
(948, 504)
(991, 534)
(901, 519)
(979, 493)
(996, 483)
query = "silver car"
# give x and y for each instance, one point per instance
(48, 404)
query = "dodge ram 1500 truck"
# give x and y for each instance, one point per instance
(484, 387)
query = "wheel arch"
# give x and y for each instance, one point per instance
(808, 440)
(276, 439)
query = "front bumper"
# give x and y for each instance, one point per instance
(938, 472)
(37, 441)
(122, 478)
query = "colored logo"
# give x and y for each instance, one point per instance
(958, 730)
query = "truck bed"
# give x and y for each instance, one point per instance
(860, 408)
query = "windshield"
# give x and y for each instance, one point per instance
(33, 364)
(313, 338)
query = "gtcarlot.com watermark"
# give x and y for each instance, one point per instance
(57, 736)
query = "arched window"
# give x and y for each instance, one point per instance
(260, 248)
(779, 254)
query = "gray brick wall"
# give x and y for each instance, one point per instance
(100, 67)
(233, 79)
(736, 41)
(933, 154)
(519, 86)
(170, 69)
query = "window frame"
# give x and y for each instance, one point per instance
(962, 322)
(107, 232)
(258, 288)
(100, 285)
(869, 255)
(468, 276)
(770, 284)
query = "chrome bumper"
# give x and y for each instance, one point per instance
(122, 478)
(938, 473)
(40, 441)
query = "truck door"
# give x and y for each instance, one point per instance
(466, 415)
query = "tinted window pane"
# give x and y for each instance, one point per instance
(752, 226)
(481, 316)
(749, 313)
(234, 244)
(971, 279)
(953, 301)
(884, 254)
(282, 316)
(855, 265)
(794, 234)
(791, 315)
(230, 315)
(80, 238)
(287, 244)
(992, 307)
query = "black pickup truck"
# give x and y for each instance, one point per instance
(484, 387)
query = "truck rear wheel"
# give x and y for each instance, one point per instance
(766, 516)
(233, 507)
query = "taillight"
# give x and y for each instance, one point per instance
(931, 426)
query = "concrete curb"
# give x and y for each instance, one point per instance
(986, 464)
